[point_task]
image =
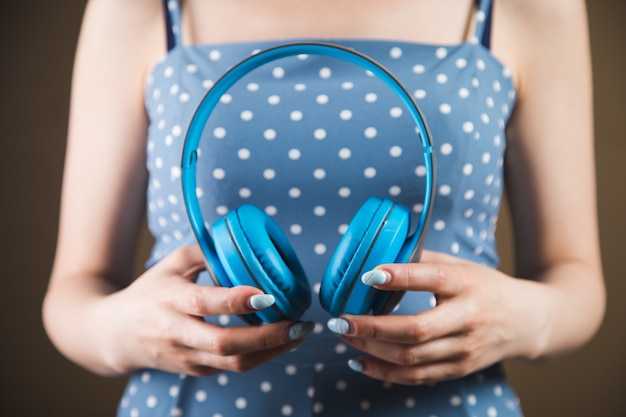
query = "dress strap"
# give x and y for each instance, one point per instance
(482, 33)
(172, 23)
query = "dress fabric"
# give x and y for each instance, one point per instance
(308, 139)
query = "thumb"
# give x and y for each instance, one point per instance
(186, 261)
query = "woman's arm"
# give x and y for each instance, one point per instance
(104, 181)
(551, 173)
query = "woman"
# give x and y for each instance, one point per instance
(488, 77)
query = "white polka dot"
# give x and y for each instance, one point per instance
(243, 154)
(369, 172)
(219, 133)
(241, 403)
(442, 78)
(145, 377)
(252, 87)
(319, 174)
(345, 115)
(226, 98)
(370, 132)
(295, 229)
(325, 73)
(269, 134)
(341, 385)
(319, 211)
(445, 108)
(345, 153)
(455, 401)
(266, 386)
(468, 127)
(215, 55)
(222, 379)
(484, 118)
(464, 92)
(492, 412)
(295, 192)
(201, 396)
(341, 348)
(471, 399)
(294, 154)
(348, 85)
(409, 402)
(439, 225)
(461, 63)
(176, 412)
(395, 191)
(371, 97)
(319, 134)
(486, 158)
(441, 53)
(173, 391)
(445, 190)
(291, 369)
(420, 94)
(395, 151)
(418, 69)
(269, 174)
(395, 112)
(296, 115)
(286, 410)
(446, 149)
(322, 99)
(271, 210)
(467, 169)
(151, 401)
(318, 408)
(245, 193)
(455, 248)
(342, 229)
(134, 412)
(497, 390)
(420, 171)
(299, 87)
(278, 73)
(184, 97)
(319, 249)
(246, 115)
(395, 52)
(365, 405)
(273, 100)
(344, 192)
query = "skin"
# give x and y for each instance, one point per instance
(110, 322)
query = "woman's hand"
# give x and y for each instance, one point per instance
(156, 322)
(482, 316)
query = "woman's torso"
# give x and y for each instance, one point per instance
(308, 139)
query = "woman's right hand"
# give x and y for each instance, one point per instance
(157, 322)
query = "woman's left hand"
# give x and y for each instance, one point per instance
(482, 316)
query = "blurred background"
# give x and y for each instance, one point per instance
(39, 38)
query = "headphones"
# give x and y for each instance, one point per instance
(246, 246)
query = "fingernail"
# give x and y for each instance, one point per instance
(375, 277)
(339, 326)
(356, 365)
(261, 301)
(300, 330)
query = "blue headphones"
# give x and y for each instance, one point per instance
(246, 247)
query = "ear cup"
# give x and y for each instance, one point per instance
(376, 235)
(254, 251)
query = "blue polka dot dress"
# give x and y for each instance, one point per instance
(308, 139)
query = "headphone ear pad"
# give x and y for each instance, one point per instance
(376, 235)
(254, 251)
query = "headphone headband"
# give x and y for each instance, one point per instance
(235, 73)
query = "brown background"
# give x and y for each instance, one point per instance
(38, 39)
